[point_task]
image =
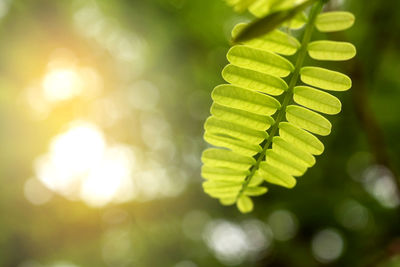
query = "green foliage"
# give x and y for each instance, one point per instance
(258, 137)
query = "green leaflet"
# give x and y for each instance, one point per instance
(308, 120)
(276, 176)
(245, 204)
(242, 117)
(221, 189)
(216, 126)
(255, 181)
(227, 201)
(233, 144)
(317, 100)
(334, 21)
(223, 174)
(240, 98)
(330, 50)
(256, 144)
(325, 79)
(222, 158)
(254, 80)
(300, 138)
(255, 191)
(276, 41)
(287, 165)
(260, 8)
(260, 60)
(292, 152)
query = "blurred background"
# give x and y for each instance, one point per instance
(102, 105)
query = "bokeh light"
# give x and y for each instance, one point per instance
(234, 243)
(327, 245)
(379, 182)
(352, 215)
(80, 164)
(61, 84)
(283, 224)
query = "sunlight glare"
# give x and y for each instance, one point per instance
(61, 84)
(80, 164)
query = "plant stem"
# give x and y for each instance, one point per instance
(315, 10)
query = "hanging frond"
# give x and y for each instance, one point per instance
(258, 138)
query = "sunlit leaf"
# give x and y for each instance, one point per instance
(275, 41)
(316, 100)
(216, 126)
(334, 21)
(289, 166)
(242, 117)
(330, 50)
(300, 138)
(276, 176)
(255, 191)
(308, 120)
(222, 158)
(245, 204)
(259, 60)
(325, 79)
(254, 80)
(240, 98)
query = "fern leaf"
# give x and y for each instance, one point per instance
(258, 138)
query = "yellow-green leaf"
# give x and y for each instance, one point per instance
(308, 120)
(236, 145)
(331, 50)
(255, 181)
(254, 80)
(259, 60)
(286, 164)
(255, 191)
(291, 152)
(224, 128)
(242, 117)
(276, 176)
(240, 98)
(334, 21)
(245, 204)
(325, 79)
(223, 174)
(222, 158)
(228, 201)
(275, 41)
(300, 138)
(317, 100)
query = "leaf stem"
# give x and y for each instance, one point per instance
(315, 10)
